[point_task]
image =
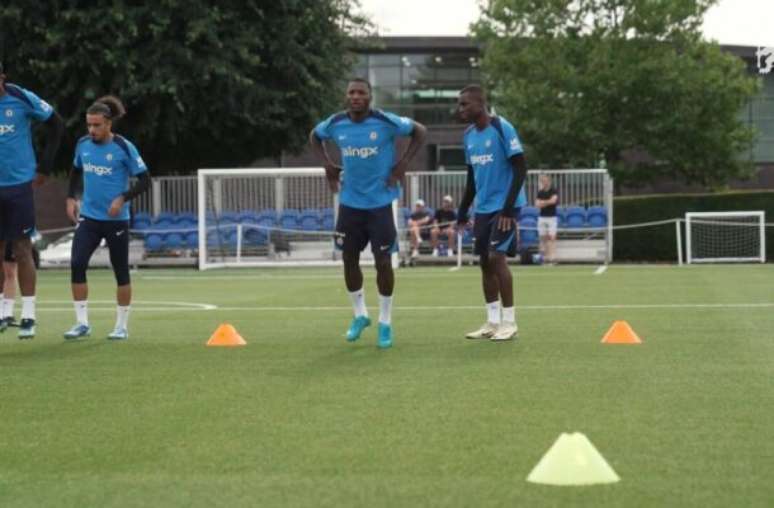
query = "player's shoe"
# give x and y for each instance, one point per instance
(26, 329)
(486, 331)
(359, 323)
(118, 334)
(77, 331)
(385, 336)
(506, 331)
(6, 322)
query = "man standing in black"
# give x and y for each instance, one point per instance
(547, 199)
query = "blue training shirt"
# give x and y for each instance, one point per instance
(106, 168)
(18, 108)
(488, 152)
(367, 154)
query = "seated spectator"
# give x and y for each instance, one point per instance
(444, 224)
(418, 223)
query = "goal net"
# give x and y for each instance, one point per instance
(724, 237)
(267, 217)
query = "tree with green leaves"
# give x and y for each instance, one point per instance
(628, 83)
(205, 83)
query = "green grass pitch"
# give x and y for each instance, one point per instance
(299, 417)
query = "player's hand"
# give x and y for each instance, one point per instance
(39, 180)
(115, 206)
(73, 210)
(505, 223)
(397, 174)
(332, 172)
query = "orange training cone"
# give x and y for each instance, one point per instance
(226, 335)
(621, 333)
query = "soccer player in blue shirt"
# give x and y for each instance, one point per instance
(19, 174)
(368, 186)
(496, 174)
(104, 163)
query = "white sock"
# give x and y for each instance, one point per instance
(509, 314)
(385, 309)
(82, 312)
(28, 307)
(8, 307)
(493, 312)
(122, 316)
(358, 302)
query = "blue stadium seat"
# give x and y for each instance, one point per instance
(467, 237)
(309, 222)
(173, 241)
(528, 234)
(247, 217)
(576, 217)
(267, 212)
(228, 218)
(288, 219)
(166, 216)
(561, 216)
(597, 216)
(192, 240)
(163, 223)
(141, 223)
(328, 223)
(154, 242)
(529, 211)
(143, 216)
(255, 237)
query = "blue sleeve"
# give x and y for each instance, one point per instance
(404, 124)
(77, 163)
(135, 162)
(512, 141)
(465, 147)
(321, 130)
(40, 109)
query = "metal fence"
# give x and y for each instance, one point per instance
(178, 194)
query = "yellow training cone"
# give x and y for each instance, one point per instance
(572, 460)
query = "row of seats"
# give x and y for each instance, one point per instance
(184, 235)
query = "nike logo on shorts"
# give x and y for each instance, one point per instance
(119, 233)
(384, 247)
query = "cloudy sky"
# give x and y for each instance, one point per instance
(744, 22)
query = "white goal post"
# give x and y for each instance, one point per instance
(279, 217)
(725, 237)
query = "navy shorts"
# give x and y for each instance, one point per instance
(357, 227)
(88, 235)
(17, 211)
(489, 238)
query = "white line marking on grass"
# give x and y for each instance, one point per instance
(407, 274)
(599, 271)
(520, 307)
(140, 305)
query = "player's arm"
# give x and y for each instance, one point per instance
(140, 186)
(74, 191)
(554, 199)
(331, 170)
(467, 198)
(54, 128)
(418, 135)
(508, 213)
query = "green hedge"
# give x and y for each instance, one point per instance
(657, 243)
